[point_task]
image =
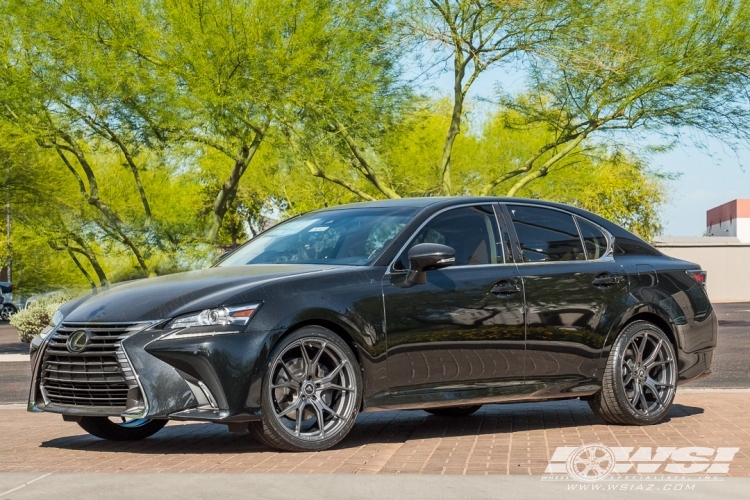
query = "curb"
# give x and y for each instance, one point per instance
(14, 358)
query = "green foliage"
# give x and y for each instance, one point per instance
(145, 137)
(35, 318)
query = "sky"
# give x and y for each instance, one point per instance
(709, 175)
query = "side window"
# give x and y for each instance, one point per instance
(546, 235)
(594, 240)
(471, 231)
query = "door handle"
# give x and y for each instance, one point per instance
(505, 288)
(605, 280)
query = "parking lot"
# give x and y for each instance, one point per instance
(516, 440)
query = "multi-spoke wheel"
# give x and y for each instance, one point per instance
(121, 429)
(7, 311)
(311, 392)
(640, 378)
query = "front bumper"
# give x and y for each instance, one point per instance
(213, 379)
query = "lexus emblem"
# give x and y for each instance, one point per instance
(78, 341)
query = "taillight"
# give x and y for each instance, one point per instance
(698, 275)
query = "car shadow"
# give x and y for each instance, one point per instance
(386, 427)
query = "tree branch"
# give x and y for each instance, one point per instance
(544, 169)
(368, 171)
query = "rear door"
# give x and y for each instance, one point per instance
(574, 292)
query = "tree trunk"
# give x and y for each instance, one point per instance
(455, 126)
(229, 188)
(91, 256)
(92, 197)
(82, 269)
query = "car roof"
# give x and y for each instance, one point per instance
(435, 203)
(426, 201)
(438, 202)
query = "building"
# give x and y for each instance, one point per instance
(730, 219)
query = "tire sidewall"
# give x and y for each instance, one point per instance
(619, 389)
(269, 419)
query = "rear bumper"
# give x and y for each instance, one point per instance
(696, 343)
(697, 365)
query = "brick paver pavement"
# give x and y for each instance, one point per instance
(499, 439)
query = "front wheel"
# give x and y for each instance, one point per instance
(311, 392)
(640, 378)
(121, 429)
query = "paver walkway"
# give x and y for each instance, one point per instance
(499, 439)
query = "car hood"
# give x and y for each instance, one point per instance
(175, 294)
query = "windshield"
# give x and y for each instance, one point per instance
(351, 237)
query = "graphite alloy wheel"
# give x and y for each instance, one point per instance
(311, 392)
(121, 429)
(7, 311)
(640, 378)
(454, 411)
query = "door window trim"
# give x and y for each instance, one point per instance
(607, 257)
(506, 259)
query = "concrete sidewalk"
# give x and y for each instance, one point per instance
(68, 486)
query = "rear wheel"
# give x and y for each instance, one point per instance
(640, 378)
(311, 392)
(454, 411)
(121, 429)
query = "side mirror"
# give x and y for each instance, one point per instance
(428, 256)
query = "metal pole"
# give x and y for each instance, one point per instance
(7, 216)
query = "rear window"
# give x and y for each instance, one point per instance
(594, 240)
(628, 246)
(546, 235)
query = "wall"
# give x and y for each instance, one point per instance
(739, 228)
(728, 267)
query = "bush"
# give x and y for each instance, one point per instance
(32, 320)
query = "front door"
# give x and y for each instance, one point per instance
(574, 290)
(464, 329)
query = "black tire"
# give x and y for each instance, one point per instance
(283, 429)
(454, 411)
(634, 390)
(132, 430)
(7, 311)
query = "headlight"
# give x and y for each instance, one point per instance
(220, 316)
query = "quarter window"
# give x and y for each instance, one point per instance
(471, 231)
(594, 240)
(546, 235)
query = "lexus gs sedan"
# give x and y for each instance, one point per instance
(434, 304)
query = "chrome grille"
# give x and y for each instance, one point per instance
(97, 377)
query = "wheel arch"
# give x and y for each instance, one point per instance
(656, 320)
(329, 324)
(642, 312)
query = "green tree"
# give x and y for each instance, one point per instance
(473, 37)
(665, 67)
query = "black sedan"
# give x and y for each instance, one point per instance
(436, 304)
